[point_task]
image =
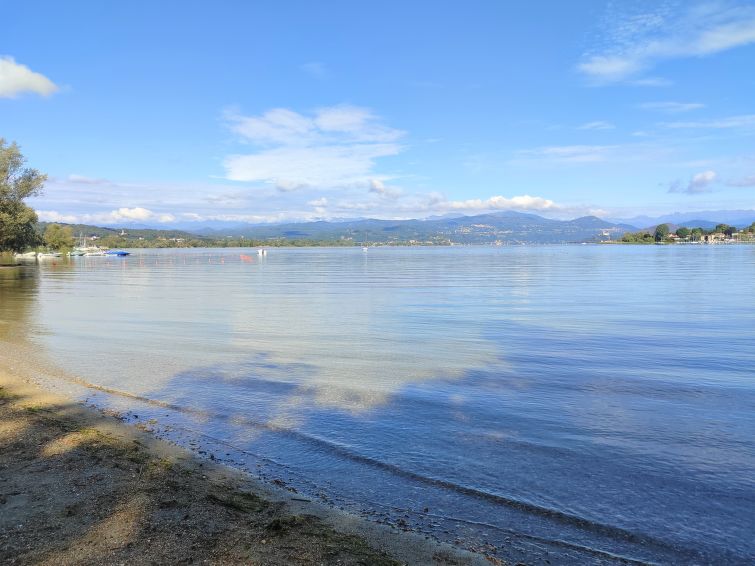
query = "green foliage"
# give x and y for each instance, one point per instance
(58, 237)
(637, 238)
(683, 232)
(17, 221)
(661, 232)
(724, 229)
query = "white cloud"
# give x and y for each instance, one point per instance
(378, 187)
(743, 121)
(336, 147)
(523, 202)
(55, 216)
(137, 213)
(672, 107)
(597, 125)
(124, 214)
(318, 202)
(277, 126)
(699, 183)
(355, 123)
(291, 168)
(636, 42)
(16, 79)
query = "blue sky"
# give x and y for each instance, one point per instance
(178, 112)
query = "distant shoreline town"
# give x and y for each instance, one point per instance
(662, 234)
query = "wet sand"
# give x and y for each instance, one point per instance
(80, 487)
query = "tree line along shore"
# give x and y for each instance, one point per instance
(662, 234)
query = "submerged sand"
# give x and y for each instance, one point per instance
(80, 487)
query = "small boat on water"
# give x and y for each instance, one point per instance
(117, 252)
(27, 255)
(48, 255)
(84, 248)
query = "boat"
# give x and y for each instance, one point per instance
(48, 255)
(27, 255)
(84, 249)
(117, 252)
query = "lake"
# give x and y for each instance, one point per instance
(571, 403)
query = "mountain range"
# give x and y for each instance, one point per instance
(500, 227)
(506, 227)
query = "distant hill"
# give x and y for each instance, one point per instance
(130, 233)
(703, 219)
(500, 227)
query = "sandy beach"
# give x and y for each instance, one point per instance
(80, 487)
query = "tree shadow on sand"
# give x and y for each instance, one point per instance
(77, 488)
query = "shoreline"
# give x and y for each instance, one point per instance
(79, 486)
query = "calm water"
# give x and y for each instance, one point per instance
(570, 402)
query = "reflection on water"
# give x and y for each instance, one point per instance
(589, 399)
(18, 290)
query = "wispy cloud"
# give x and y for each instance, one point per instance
(652, 82)
(699, 183)
(17, 79)
(84, 180)
(633, 43)
(671, 107)
(597, 125)
(570, 153)
(742, 182)
(378, 187)
(315, 69)
(743, 121)
(337, 146)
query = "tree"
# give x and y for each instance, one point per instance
(17, 220)
(58, 237)
(661, 231)
(683, 232)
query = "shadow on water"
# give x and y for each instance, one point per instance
(275, 428)
(624, 467)
(583, 432)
